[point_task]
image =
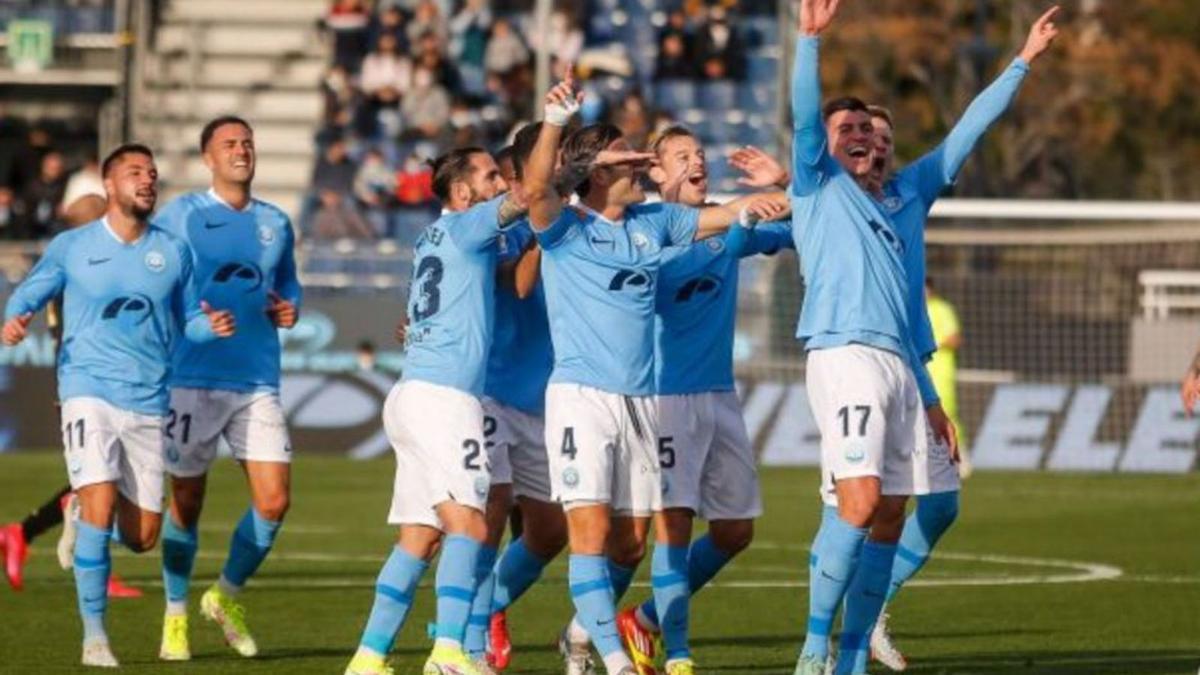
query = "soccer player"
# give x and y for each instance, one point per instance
(228, 389)
(128, 298)
(707, 461)
(600, 263)
(518, 370)
(866, 383)
(907, 196)
(434, 419)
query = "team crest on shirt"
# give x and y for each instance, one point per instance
(855, 454)
(570, 477)
(893, 203)
(640, 240)
(714, 244)
(266, 236)
(155, 261)
(172, 454)
(481, 485)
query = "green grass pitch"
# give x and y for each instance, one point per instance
(1042, 574)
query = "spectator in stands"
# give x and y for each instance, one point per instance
(43, 197)
(505, 51)
(10, 213)
(566, 42)
(85, 181)
(374, 185)
(675, 50)
(634, 119)
(349, 21)
(428, 19)
(414, 183)
(427, 109)
(334, 171)
(392, 22)
(719, 48)
(430, 53)
(342, 102)
(386, 78)
(28, 161)
(468, 42)
(338, 219)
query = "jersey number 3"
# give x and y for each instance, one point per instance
(429, 299)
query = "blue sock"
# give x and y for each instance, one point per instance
(620, 577)
(456, 587)
(481, 609)
(595, 605)
(864, 600)
(248, 547)
(669, 578)
(92, 566)
(841, 546)
(178, 558)
(394, 590)
(515, 573)
(704, 561)
(925, 526)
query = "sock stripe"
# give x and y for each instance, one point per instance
(90, 563)
(455, 593)
(393, 593)
(820, 626)
(479, 620)
(667, 580)
(585, 587)
(909, 556)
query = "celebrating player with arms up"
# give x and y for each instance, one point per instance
(434, 419)
(228, 389)
(600, 265)
(128, 299)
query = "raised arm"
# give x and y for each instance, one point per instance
(939, 168)
(764, 207)
(545, 201)
(809, 138)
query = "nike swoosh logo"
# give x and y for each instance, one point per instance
(604, 623)
(98, 261)
(213, 226)
(602, 241)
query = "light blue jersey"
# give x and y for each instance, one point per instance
(125, 308)
(600, 282)
(910, 194)
(521, 357)
(852, 259)
(240, 256)
(697, 307)
(452, 298)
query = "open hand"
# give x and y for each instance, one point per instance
(816, 15)
(761, 170)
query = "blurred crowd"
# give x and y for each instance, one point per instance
(409, 79)
(39, 180)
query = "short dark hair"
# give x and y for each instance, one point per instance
(837, 105)
(504, 154)
(582, 146)
(120, 151)
(522, 147)
(452, 166)
(882, 113)
(209, 129)
(671, 132)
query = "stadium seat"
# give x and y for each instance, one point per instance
(675, 95)
(762, 69)
(719, 95)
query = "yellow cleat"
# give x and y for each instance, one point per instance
(449, 661)
(368, 663)
(216, 606)
(175, 639)
(680, 667)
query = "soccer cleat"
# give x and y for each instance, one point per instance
(449, 661)
(175, 639)
(680, 667)
(119, 589)
(16, 550)
(638, 641)
(98, 655)
(484, 667)
(368, 663)
(66, 541)
(577, 656)
(231, 617)
(499, 652)
(809, 665)
(882, 648)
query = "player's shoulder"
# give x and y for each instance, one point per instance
(269, 213)
(65, 240)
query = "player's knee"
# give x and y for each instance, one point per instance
(732, 537)
(273, 506)
(142, 540)
(545, 537)
(628, 552)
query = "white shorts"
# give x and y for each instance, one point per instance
(602, 449)
(706, 456)
(516, 443)
(437, 434)
(253, 424)
(105, 444)
(866, 404)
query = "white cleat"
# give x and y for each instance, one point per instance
(882, 648)
(577, 656)
(66, 541)
(98, 655)
(484, 667)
